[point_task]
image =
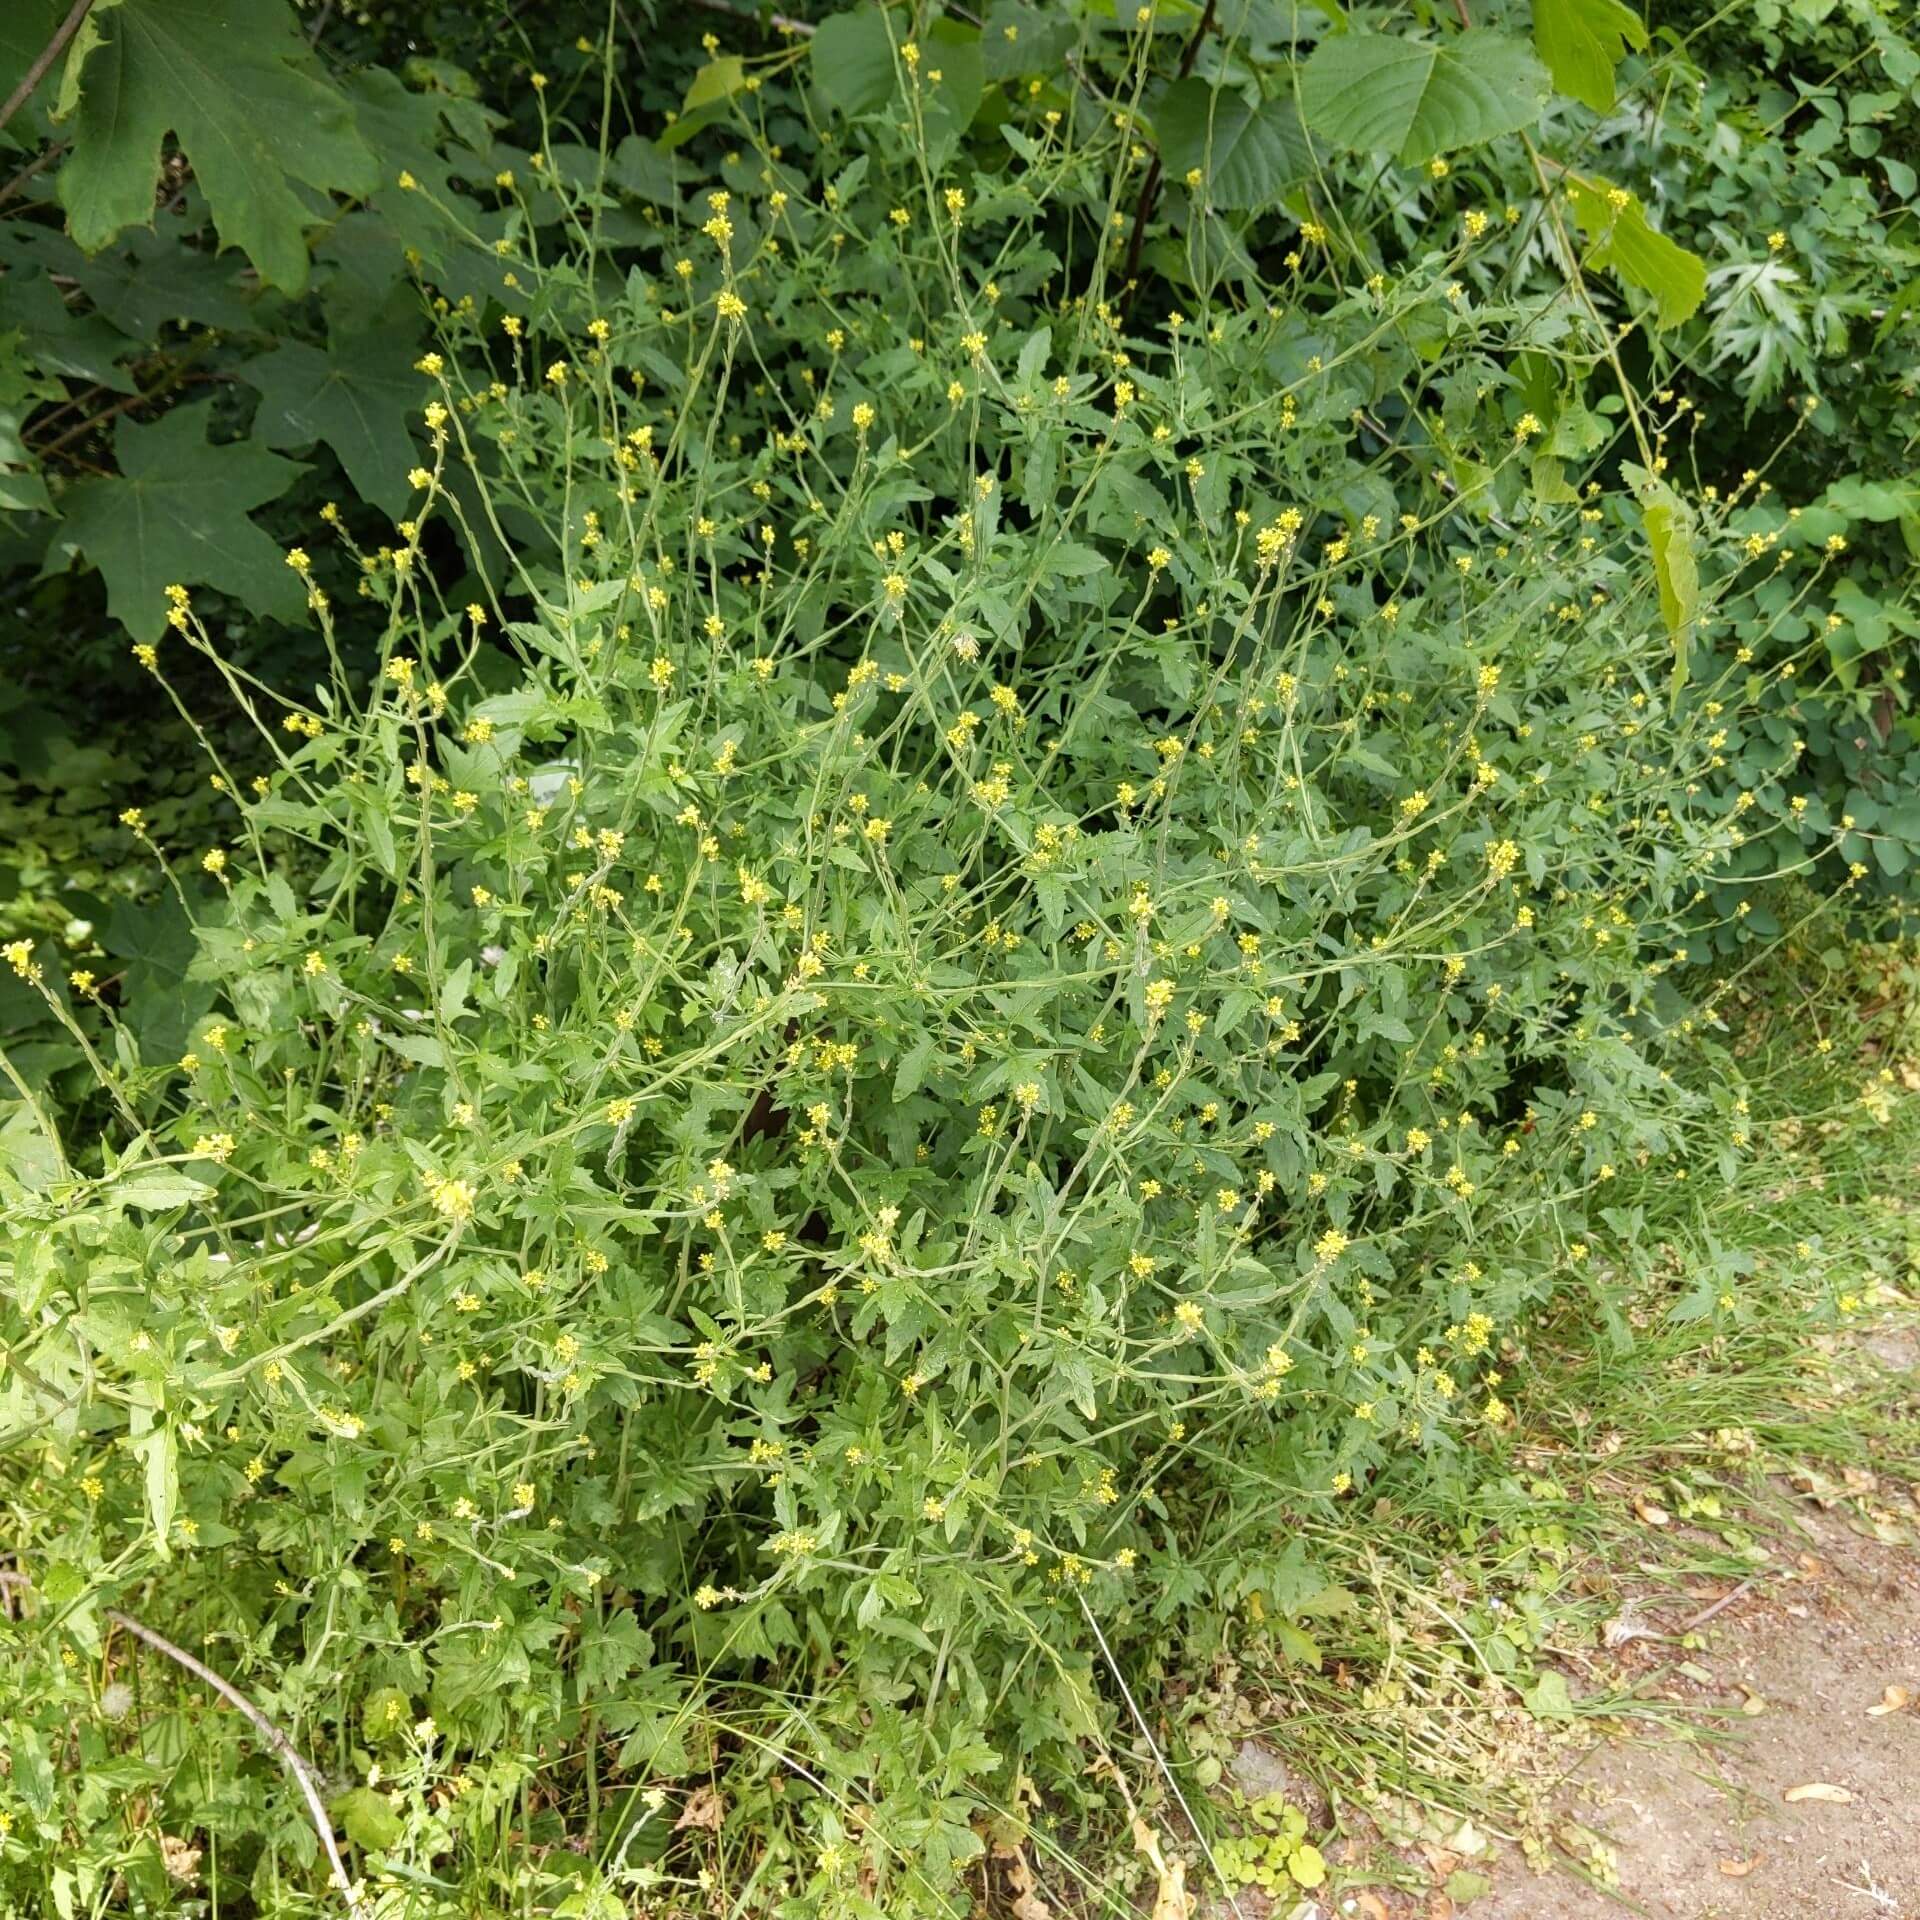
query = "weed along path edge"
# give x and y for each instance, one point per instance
(1799, 1796)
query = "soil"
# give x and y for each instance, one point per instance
(1702, 1829)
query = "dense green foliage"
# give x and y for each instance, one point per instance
(891, 865)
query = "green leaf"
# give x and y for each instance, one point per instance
(159, 1453)
(177, 512)
(238, 88)
(952, 50)
(1669, 526)
(1549, 1699)
(1582, 41)
(646, 171)
(706, 100)
(717, 80)
(1377, 93)
(1248, 154)
(853, 61)
(157, 1189)
(1625, 245)
(369, 1819)
(355, 396)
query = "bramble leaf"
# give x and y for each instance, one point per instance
(177, 512)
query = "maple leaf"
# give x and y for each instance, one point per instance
(355, 396)
(177, 513)
(236, 85)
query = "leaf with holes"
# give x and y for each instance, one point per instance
(177, 512)
(1247, 155)
(250, 108)
(1378, 93)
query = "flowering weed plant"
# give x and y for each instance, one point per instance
(1001, 850)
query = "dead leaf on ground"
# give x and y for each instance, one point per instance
(1754, 1702)
(1819, 1790)
(1027, 1904)
(1739, 1869)
(1171, 1901)
(1369, 1906)
(1891, 1702)
(1440, 1862)
(704, 1808)
(1652, 1513)
(1439, 1907)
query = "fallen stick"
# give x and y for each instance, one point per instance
(290, 1756)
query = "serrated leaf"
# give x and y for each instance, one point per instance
(1582, 41)
(1247, 154)
(177, 512)
(236, 85)
(1626, 245)
(369, 1818)
(156, 1189)
(355, 396)
(1378, 93)
(914, 1063)
(1669, 527)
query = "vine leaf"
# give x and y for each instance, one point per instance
(177, 512)
(355, 396)
(236, 86)
(1627, 245)
(1248, 155)
(1582, 41)
(1378, 93)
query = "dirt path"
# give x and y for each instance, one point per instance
(1702, 1830)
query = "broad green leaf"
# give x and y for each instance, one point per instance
(1616, 224)
(1669, 526)
(355, 396)
(951, 49)
(717, 80)
(853, 61)
(1039, 41)
(1861, 498)
(1582, 41)
(30, 1161)
(177, 512)
(369, 1818)
(236, 85)
(57, 339)
(1378, 93)
(646, 171)
(706, 100)
(158, 1189)
(1248, 155)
